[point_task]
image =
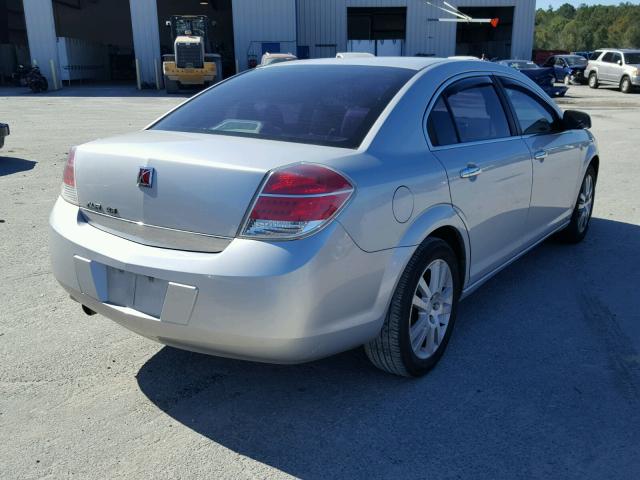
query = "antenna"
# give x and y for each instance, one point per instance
(459, 16)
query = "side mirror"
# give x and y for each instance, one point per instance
(576, 120)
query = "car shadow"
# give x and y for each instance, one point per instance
(11, 165)
(541, 377)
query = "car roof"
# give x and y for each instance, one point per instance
(623, 50)
(412, 63)
(279, 55)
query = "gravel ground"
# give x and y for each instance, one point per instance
(541, 380)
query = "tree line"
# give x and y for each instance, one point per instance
(587, 28)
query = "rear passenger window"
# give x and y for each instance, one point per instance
(532, 114)
(440, 125)
(478, 113)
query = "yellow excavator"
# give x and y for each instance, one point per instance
(190, 64)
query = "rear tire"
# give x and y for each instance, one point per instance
(625, 85)
(593, 80)
(422, 313)
(581, 216)
(171, 86)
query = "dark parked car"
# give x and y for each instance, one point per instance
(542, 76)
(568, 69)
(4, 131)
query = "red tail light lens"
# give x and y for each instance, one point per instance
(69, 175)
(296, 201)
(69, 192)
(305, 179)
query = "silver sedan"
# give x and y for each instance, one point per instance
(306, 208)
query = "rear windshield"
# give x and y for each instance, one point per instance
(576, 60)
(332, 105)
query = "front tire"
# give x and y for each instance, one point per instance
(581, 216)
(171, 85)
(625, 85)
(593, 80)
(422, 313)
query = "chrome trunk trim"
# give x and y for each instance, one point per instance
(155, 236)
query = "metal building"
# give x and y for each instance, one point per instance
(122, 40)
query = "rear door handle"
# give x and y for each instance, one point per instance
(540, 155)
(470, 172)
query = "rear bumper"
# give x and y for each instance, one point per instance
(284, 302)
(554, 91)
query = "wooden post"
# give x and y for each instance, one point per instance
(54, 74)
(155, 67)
(138, 74)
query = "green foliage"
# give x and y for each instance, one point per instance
(588, 27)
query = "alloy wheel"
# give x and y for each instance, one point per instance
(626, 85)
(431, 309)
(585, 203)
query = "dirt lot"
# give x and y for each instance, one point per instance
(541, 380)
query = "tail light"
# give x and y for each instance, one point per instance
(69, 192)
(296, 201)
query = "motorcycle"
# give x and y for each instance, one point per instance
(32, 78)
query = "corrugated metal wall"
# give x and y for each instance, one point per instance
(41, 31)
(146, 39)
(324, 22)
(257, 21)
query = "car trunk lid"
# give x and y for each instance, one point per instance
(201, 184)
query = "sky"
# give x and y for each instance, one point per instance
(557, 3)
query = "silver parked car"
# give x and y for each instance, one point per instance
(620, 68)
(296, 211)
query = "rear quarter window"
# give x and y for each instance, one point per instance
(440, 125)
(333, 105)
